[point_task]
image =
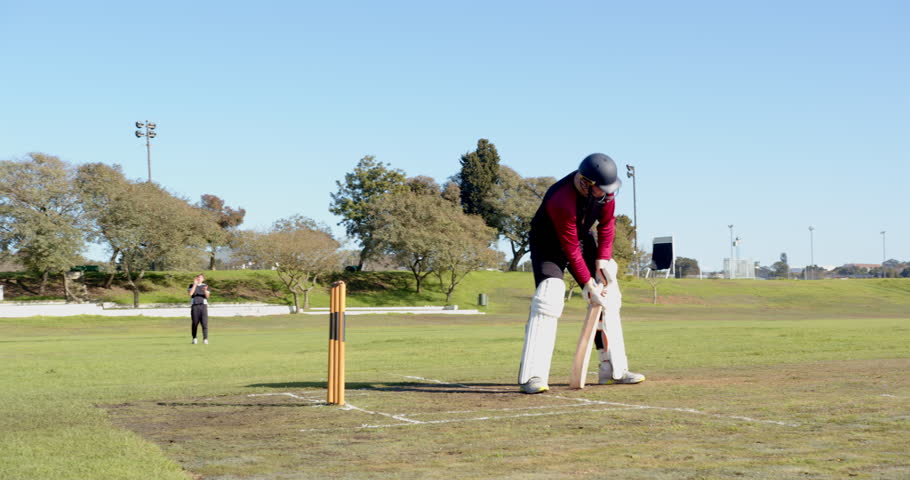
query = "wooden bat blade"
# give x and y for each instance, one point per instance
(583, 349)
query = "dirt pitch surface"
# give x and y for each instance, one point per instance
(847, 419)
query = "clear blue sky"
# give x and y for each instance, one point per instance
(771, 116)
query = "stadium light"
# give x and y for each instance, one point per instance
(630, 173)
(811, 254)
(732, 244)
(883, 254)
(148, 134)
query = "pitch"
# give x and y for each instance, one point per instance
(755, 395)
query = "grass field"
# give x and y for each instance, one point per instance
(745, 380)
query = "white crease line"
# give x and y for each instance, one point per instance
(586, 401)
(402, 418)
(461, 420)
(434, 381)
(288, 394)
(515, 409)
(583, 402)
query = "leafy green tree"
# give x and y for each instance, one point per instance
(40, 215)
(300, 250)
(226, 218)
(466, 247)
(98, 185)
(516, 199)
(451, 192)
(686, 267)
(410, 226)
(143, 224)
(477, 178)
(423, 185)
(369, 181)
(780, 269)
(622, 243)
(814, 272)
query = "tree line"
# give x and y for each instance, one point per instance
(50, 210)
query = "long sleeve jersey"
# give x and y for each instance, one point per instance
(563, 220)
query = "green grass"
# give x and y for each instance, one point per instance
(115, 397)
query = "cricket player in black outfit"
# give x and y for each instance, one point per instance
(199, 307)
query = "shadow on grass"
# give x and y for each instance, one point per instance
(477, 388)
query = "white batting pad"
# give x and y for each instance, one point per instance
(612, 325)
(540, 332)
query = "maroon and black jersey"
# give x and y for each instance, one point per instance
(563, 221)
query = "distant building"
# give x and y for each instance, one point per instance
(743, 268)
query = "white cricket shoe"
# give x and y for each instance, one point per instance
(205, 341)
(605, 376)
(194, 341)
(534, 385)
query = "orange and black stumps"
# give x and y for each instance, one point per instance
(336, 344)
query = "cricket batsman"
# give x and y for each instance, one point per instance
(561, 237)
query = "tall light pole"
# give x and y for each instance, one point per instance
(630, 173)
(883, 254)
(730, 263)
(811, 252)
(149, 134)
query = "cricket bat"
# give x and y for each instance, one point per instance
(583, 349)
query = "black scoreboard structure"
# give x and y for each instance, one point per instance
(663, 257)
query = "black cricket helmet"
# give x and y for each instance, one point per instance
(600, 170)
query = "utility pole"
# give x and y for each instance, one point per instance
(730, 263)
(630, 173)
(811, 253)
(883, 254)
(149, 135)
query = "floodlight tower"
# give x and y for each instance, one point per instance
(883, 254)
(149, 134)
(732, 244)
(630, 173)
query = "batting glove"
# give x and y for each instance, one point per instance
(606, 271)
(593, 293)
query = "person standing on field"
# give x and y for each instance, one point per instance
(199, 307)
(561, 237)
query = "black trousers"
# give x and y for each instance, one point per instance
(200, 314)
(549, 261)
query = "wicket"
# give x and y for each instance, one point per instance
(336, 344)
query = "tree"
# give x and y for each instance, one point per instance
(465, 248)
(451, 192)
(423, 185)
(622, 243)
(516, 199)
(226, 218)
(369, 181)
(411, 226)
(780, 269)
(161, 231)
(479, 174)
(686, 267)
(300, 250)
(814, 272)
(98, 185)
(143, 224)
(40, 215)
